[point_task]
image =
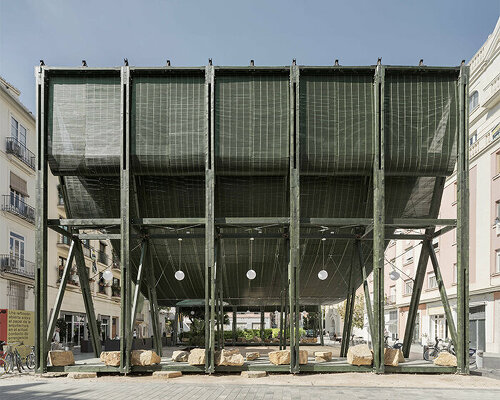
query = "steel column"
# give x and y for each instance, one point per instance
(210, 246)
(235, 324)
(320, 320)
(60, 293)
(378, 223)
(125, 224)
(442, 293)
(87, 297)
(41, 348)
(140, 274)
(262, 324)
(153, 304)
(462, 346)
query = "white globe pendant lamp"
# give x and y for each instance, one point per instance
(179, 275)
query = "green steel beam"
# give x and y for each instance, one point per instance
(60, 293)
(41, 348)
(125, 182)
(153, 305)
(235, 324)
(348, 316)
(442, 292)
(462, 347)
(262, 324)
(84, 222)
(140, 274)
(294, 265)
(421, 268)
(87, 298)
(98, 236)
(442, 231)
(320, 321)
(210, 245)
(378, 223)
(364, 274)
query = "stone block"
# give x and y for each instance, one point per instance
(391, 357)
(166, 374)
(446, 359)
(196, 357)
(230, 357)
(303, 356)
(111, 358)
(253, 374)
(323, 356)
(279, 357)
(145, 357)
(61, 358)
(180, 356)
(252, 355)
(82, 375)
(359, 355)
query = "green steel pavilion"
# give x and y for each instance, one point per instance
(253, 188)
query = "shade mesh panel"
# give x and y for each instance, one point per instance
(169, 127)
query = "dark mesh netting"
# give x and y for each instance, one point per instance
(251, 120)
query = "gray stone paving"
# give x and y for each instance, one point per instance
(60, 388)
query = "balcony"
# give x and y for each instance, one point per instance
(15, 147)
(17, 266)
(102, 257)
(18, 207)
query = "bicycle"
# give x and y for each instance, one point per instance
(396, 345)
(431, 352)
(12, 358)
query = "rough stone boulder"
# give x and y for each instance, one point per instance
(252, 355)
(446, 359)
(323, 356)
(180, 356)
(391, 356)
(197, 357)
(145, 357)
(303, 356)
(359, 355)
(111, 358)
(61, 358)
(230, 357)
(257, 339)
(307, 340)
(279, 357)
(401, 358)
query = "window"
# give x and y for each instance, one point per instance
(473, 100)
(60, 267)
(497, 159)
(408, 287)
(497, 264)
(455, 273)
(408, 256)
(431, 281)
(455, 192)
(16, 249)
(392, 295)
(17, 131)
(473, 138)
(17, 296)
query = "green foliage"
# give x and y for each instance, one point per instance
(358, 318)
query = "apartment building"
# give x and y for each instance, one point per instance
(402, 256)
(17, 194)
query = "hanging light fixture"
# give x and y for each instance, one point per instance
(394, 275)
(107, 275)
(179, 275)
(251, 274)
(323, 274)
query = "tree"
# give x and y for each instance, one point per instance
(358, 318)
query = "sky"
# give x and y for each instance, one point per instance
(148, 32)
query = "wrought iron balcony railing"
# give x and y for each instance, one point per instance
(18, 207)
(17, 265)
(15, 147)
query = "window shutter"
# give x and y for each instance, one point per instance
(18, 184)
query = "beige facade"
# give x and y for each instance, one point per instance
(17, 193)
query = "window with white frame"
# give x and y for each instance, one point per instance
(408, 257)
(392, 294)
(431, 281)
(408, 287)
(17, 131)
(16, 248)
(497, 263)
(473, 100)
(473, 138)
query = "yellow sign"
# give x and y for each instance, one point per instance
(21, 327)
